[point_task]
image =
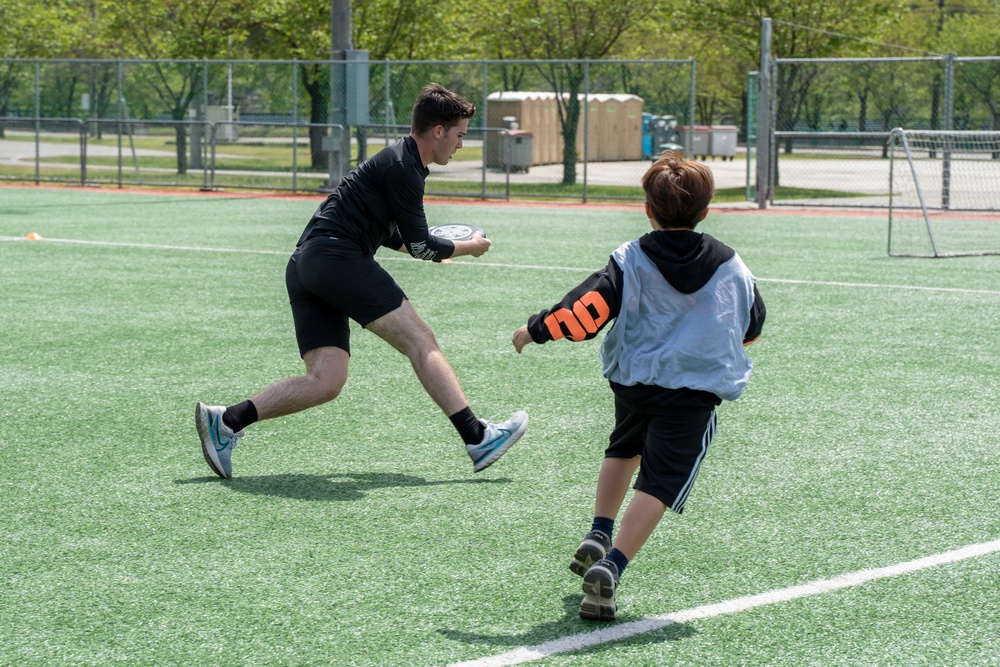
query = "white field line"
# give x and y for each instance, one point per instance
(616, 632)
(476, 262)
(147, 246)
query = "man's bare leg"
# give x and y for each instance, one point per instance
(326, 374)
(409, 334)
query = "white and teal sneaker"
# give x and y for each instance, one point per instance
(497, 439)
(217, 440)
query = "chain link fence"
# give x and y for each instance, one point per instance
(573, 129)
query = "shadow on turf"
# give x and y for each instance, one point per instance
(571, 623)
(343, 486)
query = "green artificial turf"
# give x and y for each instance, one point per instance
(355, 533)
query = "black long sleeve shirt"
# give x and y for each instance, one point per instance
(381, 204)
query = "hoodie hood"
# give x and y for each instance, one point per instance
(687, 259)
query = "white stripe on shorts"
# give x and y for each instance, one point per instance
(706, 440)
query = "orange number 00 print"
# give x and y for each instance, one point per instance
(589, 314)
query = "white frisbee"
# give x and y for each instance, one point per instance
(456, 232)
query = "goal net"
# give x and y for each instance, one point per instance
(944, 193)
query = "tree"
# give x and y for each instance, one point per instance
(802, 29)
(175, 30)
(32, 30)
(559, 30)
(968, 34)
(387, 29)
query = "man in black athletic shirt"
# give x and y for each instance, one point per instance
(332, 277)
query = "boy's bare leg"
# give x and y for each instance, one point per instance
(326, 374)
(405, 331)
(641, 517)
(612, 485)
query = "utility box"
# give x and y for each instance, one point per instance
(356, 87)
(226, 132)
(722, 141)
(515, 148)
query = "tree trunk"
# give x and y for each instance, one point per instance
(569, 128)
(181, 133)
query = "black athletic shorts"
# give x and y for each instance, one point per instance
(330, 280)
(672, 442)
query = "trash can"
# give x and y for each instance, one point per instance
(722, 141)
(699, 139)
(515, 147)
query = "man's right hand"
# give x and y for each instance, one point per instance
(476, 246)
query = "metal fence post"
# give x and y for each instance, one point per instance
(949, 120)
(689, 141)
(83, 152)
(764, 115)
(295, 125)
(119, 112)
(751, 131)
(586, 125)
(485, 115)
(211, 159)
(38, 124)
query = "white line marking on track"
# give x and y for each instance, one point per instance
(652, 623)
(476, 262)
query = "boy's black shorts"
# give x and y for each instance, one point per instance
(330, 280)
(672, 442)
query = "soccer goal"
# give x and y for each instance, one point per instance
(944, 193)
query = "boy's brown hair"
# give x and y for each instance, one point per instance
(436, 105)
(678, 190)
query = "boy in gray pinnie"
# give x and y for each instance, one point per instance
(684, 308)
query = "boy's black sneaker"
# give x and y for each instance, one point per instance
(594, 547)
(599, 584)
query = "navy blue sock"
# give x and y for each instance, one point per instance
(618, 558)
(470, 428)
(604, 525)
(239, 416)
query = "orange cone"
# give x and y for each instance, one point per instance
(34, 236)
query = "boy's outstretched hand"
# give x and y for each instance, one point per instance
(521, 338)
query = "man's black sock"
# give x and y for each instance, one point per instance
(239, 416)
(470, 428)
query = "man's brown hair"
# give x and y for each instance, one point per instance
(678, 190)
(436, 105)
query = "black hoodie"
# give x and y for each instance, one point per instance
(687, 259)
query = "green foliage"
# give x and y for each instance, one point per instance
(723, 36)
(175, 29)
(559, 30)
(30, 29)
(556, 29)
